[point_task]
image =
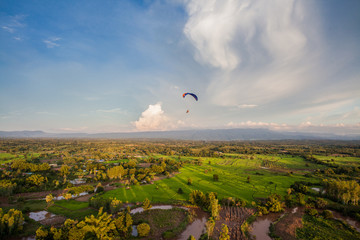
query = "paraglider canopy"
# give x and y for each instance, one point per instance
(196, 98)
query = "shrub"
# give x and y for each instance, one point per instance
(312, 212)
(327, 214)
(143, 229)
(99, 189)
(189, 181)
(216, 177)
(180, 191)
(10, 222)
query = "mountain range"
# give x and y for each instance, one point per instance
(203, 134)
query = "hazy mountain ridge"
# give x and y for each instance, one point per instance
(206, 134)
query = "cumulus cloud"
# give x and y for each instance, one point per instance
(153, 118)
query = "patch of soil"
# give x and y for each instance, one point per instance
(84, 198)
(55, 221)
(160, 220)
(233, 217)
(287, 225)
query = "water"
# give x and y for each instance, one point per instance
(260, 229)
(196, 228)
(78, 181)
(40, 215)
(134, 231)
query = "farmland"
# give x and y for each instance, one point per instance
(86, 181)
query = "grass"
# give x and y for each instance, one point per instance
(344, 161)
(232, 182)
(320, 228)
(169, 222)
(8, 157)
(72, 209)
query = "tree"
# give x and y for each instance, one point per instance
(210, 224)
(49, 200)
(64, 170)
(146, 204)
(189, 181)
(248, 179)
(10, 222)
(191, 237)
(143, 229)
(67, 196)
(214, 205)
(216, 177)
(224, 234)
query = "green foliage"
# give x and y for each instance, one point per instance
(143, 229)
(116, 172)
(346, 191)
(191, 237)
(327, 214)
(323, 229)
(6, 187)
(216, 177)
(189, 181)
(103, 226)
(224, 234)
(10, 222)
(146, 204)
(312, 212)
(36, 179)
(274, 203)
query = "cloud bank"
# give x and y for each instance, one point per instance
(273, 54)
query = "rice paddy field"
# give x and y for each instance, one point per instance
(340, 160)
(268, 174)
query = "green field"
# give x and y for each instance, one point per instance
(232, 172)
(8, 157)
(345, 161)
(72, 209)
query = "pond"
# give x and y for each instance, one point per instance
(197, 227)
(260, 228)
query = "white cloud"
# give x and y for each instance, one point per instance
(247, 106)
(8, 29)
(114, 110)
(224, 32)
(52, 42)
(153, 118)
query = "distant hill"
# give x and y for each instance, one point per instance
(205, 134)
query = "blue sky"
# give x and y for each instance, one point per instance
(110, 66)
